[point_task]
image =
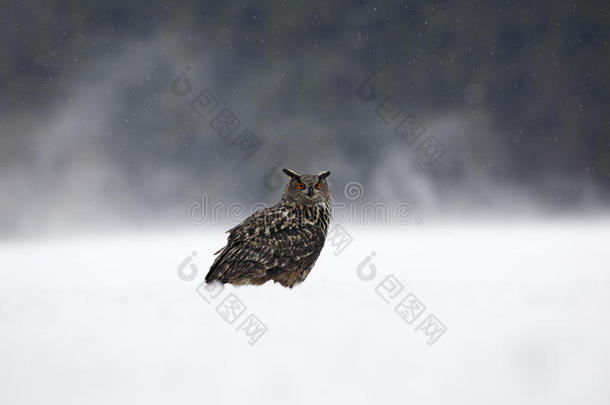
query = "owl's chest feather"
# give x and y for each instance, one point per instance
(316, 216)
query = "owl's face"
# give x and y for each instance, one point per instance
(307, 188)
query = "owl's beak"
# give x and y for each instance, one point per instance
(310, 192)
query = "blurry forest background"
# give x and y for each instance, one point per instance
(91, 132)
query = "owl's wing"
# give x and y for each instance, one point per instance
(264, 221)
(266, 244)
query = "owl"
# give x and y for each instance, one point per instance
(280, 243)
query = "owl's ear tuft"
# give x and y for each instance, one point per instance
(324, 175)
(292, 174)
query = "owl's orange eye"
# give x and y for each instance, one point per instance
(318, 186)
(301, 186)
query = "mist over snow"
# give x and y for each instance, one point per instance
(118, 145)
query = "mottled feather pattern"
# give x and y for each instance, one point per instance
(280, 243)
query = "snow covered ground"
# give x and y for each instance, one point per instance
(107, 319)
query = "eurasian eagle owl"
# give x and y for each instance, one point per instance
(280, 243)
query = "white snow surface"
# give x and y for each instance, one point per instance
(106, 319)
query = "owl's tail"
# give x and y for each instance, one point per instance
(235, 266)
(221, 269)
(213, 274)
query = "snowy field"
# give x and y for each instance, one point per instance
(107, 319)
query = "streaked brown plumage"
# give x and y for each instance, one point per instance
(280, 243)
